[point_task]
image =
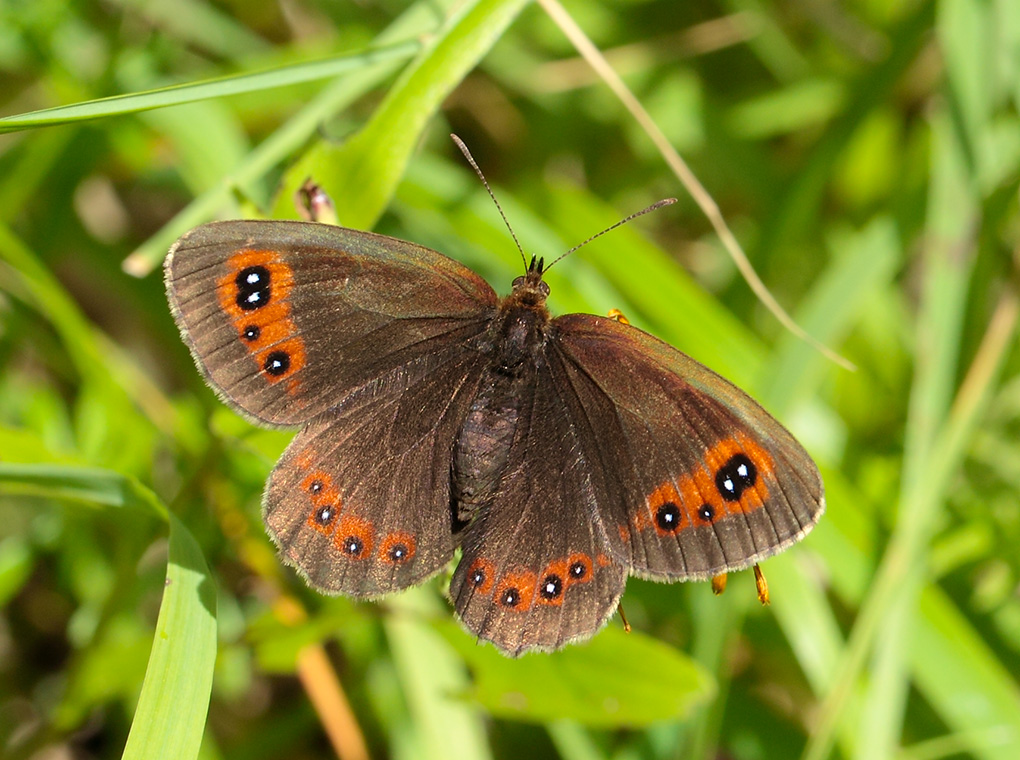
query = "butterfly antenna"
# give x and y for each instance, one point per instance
(632, 217)
(471, 160)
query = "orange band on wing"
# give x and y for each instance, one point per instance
(732, 480)
(255, 293)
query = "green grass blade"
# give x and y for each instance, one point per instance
(212, 88)
(417, 20)
(432, 675)
(890, 606)
(864, 262)
(363, 173)
(962, 679)
(170, 718)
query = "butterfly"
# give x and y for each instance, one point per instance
(558, 454)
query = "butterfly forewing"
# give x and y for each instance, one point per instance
(287, 318)
(696, 478)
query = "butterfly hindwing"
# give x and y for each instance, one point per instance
(287, 318)
(696, 478)
(360, 502)
(535, 572)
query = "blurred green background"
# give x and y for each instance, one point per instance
(866, 154)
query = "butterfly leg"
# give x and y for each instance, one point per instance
(719, 583)
(761, 585)
(618, 316)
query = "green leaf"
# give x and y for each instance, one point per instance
(617, 679)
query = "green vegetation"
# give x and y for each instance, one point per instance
(866, 155)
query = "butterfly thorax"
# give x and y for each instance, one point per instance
(518, 332)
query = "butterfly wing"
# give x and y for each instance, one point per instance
(364, 340)
(360, 502)
(694, 477)
(286, 319)
(535, 571)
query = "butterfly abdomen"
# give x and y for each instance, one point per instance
(483, 444)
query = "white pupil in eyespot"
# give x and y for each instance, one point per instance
(728, 484)
(742, 470)
(253, 278)
(256, 296)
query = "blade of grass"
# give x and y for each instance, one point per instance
(687, 178)
(419, 19)
(960, 675)
(211, 88)
(948, 263)
(573, 741)
(362, 174)
(432, 677)
(863, 262)
(932, 454)
(170, 717)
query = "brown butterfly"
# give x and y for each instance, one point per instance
(560, 454)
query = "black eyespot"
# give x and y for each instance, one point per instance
(277, 363)
(578, 570)
(251, 278)
(324, 515)
(735, 477)
(551, 587)
(251, 333)
(253, 289)
(478, 577)
(511, 598)
(706, 512)
(315, 486)
(353, 545)
(398, 552)
(667, 517)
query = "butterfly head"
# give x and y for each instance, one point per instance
(530, 289)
